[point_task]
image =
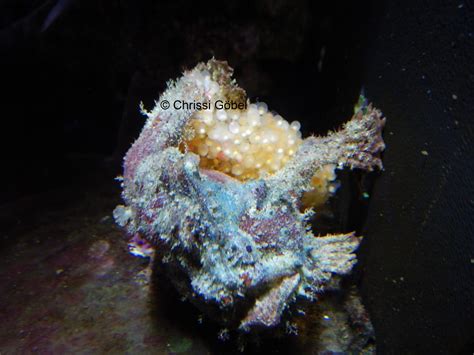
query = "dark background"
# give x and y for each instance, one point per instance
(71, 90)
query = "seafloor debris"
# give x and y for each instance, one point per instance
(222, 196)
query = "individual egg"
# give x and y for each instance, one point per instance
(234, 127)
(295, 125)
(244, 147)
(255, 138)
(233, 115)
(237, 169)
(248, 161)
(219, 132)
(262, 108)
(254, 119)
(221, 115)
(206, 116)
(203, 149)
(200, 128)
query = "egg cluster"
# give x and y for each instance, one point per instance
(324, 185)
(245, 144)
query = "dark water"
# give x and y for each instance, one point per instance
(73, 73)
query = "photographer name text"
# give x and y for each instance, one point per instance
(205, 105)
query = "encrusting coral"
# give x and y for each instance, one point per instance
(217, 195)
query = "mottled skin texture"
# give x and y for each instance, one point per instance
(241, 251)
